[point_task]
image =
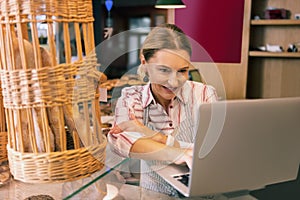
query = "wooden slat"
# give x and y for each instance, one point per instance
(279, 22)
(274, 54)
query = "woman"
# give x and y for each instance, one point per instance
(157, 122)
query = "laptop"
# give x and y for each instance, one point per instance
(240, 145)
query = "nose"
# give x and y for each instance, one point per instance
(173, 80)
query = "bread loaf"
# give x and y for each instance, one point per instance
(21, 120)
(54, 113)
(40, 123)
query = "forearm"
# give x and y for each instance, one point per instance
(162, 138)
(135, 126)
(149, 149)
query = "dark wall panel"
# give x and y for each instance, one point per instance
(216, 25)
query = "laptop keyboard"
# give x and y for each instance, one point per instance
(183, 178)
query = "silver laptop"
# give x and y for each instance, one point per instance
(241, 145)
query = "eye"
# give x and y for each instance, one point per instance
(164, 69)
(183, 71)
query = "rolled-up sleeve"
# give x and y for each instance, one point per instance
(121, 143)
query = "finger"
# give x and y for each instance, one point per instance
(132, 116)
(189, 164)
(129, 125)
(115, 130)
(190, 152)
(124, 125)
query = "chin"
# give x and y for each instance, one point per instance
(168, 96)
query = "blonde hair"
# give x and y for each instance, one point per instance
(165, 36)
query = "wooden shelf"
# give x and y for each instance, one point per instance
(279, 22)
(274, 54)
(273, 74)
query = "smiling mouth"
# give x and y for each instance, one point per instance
(172, 90)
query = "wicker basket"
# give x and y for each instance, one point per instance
(3, 143)
(50, 94)
(3, 133)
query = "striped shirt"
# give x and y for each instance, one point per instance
(182, 115)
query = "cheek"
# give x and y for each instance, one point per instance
(183, 78)
(181, 82)
(156, 78)
(159, 79)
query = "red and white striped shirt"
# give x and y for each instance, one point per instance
(183, 111)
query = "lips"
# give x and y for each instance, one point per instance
(169, 90)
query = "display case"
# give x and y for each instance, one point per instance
(92, 187)
(105, 184)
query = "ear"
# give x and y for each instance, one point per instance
(143, 60)
(143, 69)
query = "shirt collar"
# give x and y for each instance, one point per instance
(147, 96)
(182, 94)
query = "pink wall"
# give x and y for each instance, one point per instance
(216, 25)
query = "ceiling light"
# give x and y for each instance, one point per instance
(169, 4)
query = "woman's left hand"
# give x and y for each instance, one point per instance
(132, 126)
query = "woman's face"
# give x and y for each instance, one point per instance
(167, 71)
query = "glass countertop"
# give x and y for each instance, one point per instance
(92, 187)
(98, 177)
(106, 184)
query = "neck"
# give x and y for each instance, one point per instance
(165, 104)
